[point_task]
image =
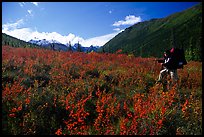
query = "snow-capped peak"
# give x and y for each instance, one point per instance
(53, 41)
(42, 41)
(46, 43)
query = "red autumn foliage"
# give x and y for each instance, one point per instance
(72, 93)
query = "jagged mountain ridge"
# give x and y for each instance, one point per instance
(59, 46)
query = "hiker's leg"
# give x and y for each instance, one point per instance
(174, 77)
(162, 78)
(162, 73)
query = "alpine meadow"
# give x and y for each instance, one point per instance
(111, 91)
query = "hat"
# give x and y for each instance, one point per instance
(172, 50)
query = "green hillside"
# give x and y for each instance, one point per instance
(14, 42)
(151, 38)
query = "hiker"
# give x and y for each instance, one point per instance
(168, 67)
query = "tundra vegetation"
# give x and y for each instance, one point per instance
(47, 92)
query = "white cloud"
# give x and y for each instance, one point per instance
(27, 34)
(23, 33)
(129, 20)
(35, 3)
(11, 26)
(116, 29)
(21, 4)
(30, 12)
(110, 11)
(99, 41)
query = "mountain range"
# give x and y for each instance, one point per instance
(153, 37)
(62, 47)
(48, 44)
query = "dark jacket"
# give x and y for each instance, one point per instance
(169, 63)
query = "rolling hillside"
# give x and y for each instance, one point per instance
(151, 38)
(14, 42)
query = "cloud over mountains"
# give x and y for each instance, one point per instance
(129, 20)
(27, 34)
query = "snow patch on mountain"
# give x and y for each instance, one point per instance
(64, 47)
(43, 42)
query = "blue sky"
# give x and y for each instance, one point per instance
(90, 23)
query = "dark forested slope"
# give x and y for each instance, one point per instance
(151, 38)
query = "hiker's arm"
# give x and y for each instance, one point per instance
(160, 60)
(167, 62)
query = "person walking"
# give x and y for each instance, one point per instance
(168, 67)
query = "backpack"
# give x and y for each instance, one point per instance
(178, 58)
